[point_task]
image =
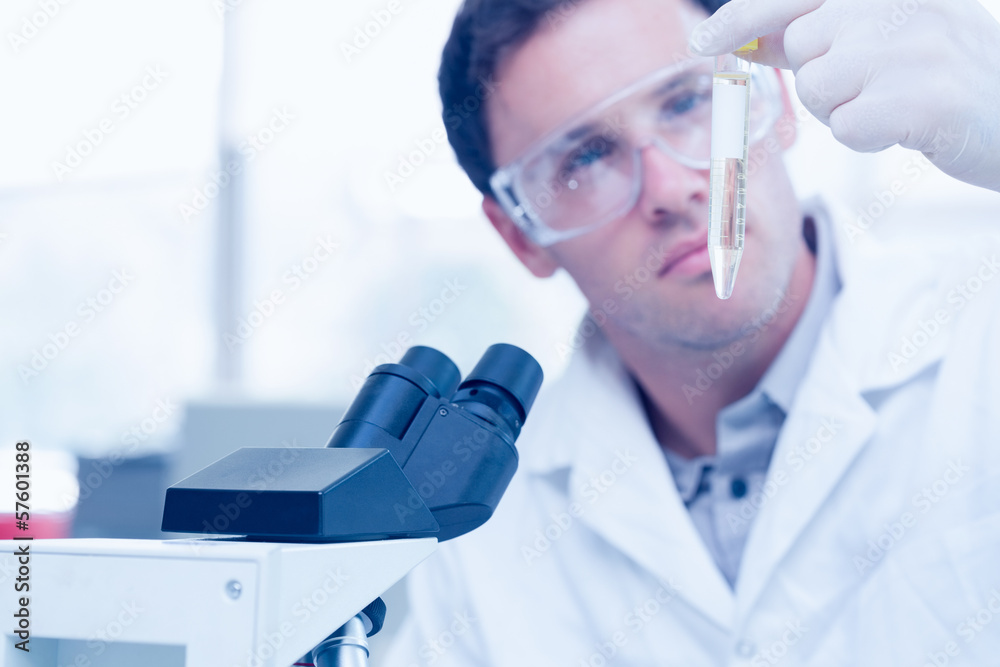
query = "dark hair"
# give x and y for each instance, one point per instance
(483, 32)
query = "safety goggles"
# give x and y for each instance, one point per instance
(588, 172)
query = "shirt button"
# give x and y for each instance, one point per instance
(745, 649)
(738, 487)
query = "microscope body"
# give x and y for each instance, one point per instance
(317, 533)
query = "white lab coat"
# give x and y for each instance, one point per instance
(592, 558)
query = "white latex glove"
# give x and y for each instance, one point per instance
(924, 74)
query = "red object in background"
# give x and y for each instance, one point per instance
(40, 526)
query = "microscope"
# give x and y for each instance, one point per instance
(296, 541)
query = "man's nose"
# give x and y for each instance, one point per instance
(668, 188)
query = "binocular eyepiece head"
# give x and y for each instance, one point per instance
(453, 440)
(500, 389)
(419, 452)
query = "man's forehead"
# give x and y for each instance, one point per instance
(578, 56)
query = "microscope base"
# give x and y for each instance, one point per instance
(192, 602)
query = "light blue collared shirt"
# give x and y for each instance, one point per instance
(724, 492)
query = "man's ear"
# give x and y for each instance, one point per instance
(535, 258)
(786, 126)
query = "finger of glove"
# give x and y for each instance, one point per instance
(878, 119)
(831, 80)
(741, 21)
(770, 51)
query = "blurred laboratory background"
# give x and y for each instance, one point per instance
(216, 216)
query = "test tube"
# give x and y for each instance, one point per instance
(728, 181)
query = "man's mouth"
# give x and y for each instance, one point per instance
(689, 258)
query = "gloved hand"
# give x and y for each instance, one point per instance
(924, 74)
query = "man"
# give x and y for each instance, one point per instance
(807, 472)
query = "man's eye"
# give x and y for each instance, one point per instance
(586, 155)
(685, 103)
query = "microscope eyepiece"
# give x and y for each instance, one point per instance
(435, 366)
(506, 380)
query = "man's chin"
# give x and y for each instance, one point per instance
(677, 327)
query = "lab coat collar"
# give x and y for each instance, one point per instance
(911, 282)
(619, 477)
(830, 423)
(782, 379)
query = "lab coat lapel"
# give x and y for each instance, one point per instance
(829, 423)
(619, 476)
(830, 420)
(645, 519)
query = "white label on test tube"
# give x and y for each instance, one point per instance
(729, 105)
